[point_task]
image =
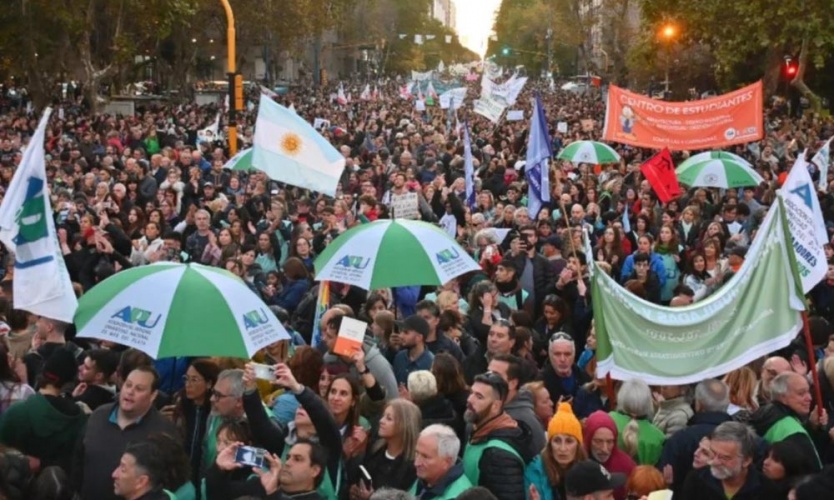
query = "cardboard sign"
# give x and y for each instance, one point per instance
(350, 336)
(562, 127)
(405, 206)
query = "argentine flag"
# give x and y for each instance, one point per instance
(290, 150)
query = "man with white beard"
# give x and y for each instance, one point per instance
(731, 472)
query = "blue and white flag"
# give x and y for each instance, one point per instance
(42, 284)
(288, 149)
(822, 160)
(468, 168)
(626, 220)
(537, 167)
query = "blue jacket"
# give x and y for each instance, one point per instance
(534, 474)
(655, 264)
(291, 295)
(171, 371)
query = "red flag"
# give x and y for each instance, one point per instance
(659, 170)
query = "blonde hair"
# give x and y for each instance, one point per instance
(408, 422)
(447, 299)
(422, 385)
(742, 384)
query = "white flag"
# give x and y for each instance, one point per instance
(41, 284)
(823, 160)
(366, 93)
(802, 209)
(210, 133)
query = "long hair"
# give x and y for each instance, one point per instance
(673, 244)
(306, 365)
(408, 422)
(449, 374)
(352, 419)
(555, 472)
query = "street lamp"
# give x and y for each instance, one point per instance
(668, 32)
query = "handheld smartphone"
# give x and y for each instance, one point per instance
(264, 372)
(251, 456)
(366, 477)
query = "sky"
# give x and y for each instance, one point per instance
(474, 22)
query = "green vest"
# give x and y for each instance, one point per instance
(451, 492)
(784, 428)
(472, 457)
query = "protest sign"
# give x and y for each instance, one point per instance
(405, 206)
(714, 123)
(489, 108)
(515, 115)
(562, 127)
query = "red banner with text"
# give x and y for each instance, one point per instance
(714, 123)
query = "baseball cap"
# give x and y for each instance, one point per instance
(415, 323)
(588, 477)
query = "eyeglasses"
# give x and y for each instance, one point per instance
(503, 322)
(219, 395)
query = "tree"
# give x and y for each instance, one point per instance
(753, 30)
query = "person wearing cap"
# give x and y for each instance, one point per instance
(588, 480)
(546, 473)
(552, 251)
(731, 472)
(414, 354)
(599, 437)
(497, 452)
(510, 291)
(736, 257)
(46, 425)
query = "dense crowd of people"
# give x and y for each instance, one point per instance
(484, 387)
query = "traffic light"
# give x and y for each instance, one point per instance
(505, 51)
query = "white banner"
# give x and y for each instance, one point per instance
(489, 108)
(802, 209)
(454, 97)
(421, 77)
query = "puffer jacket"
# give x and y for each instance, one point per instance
(672, 415)
(500, 471)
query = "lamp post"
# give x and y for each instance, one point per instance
(235, 79)
(668, 33)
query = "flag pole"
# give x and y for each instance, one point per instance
(570, 233)
(812, 362)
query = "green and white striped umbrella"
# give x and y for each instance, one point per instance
(388, 253)
(595, 153)
(719, 172)
(169, 309)
(712, 155)
(241, 161)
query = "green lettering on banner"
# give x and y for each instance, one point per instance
(757, 312)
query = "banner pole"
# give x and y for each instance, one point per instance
(812, 362)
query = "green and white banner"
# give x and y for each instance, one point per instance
(757, 312)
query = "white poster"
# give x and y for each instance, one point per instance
(489, 108)
(405, 206)
(515, 115)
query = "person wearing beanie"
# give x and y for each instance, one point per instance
(600, 441)
(46, 426)
(546, 473)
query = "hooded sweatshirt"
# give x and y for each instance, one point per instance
(619, 461)
(521, 409)
(45, 427)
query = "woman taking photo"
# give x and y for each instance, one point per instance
(390, 461)
(545, 475)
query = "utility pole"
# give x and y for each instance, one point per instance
(235, 78)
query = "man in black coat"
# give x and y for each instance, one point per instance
(712, 397)
(534, 271)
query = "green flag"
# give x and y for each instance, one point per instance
(755, 313)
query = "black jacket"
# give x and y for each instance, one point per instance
(556, 385)
(500, 471)
(765, 417)
(701, 485)
(475, 364)
(680, 447)
(544, 277)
